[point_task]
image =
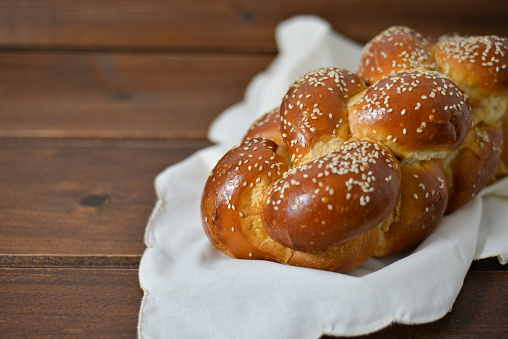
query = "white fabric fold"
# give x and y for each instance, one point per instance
(192, 290)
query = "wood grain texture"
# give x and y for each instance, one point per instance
(47, 303)
(98, 97)
(77, 303)
(225, 25)
(120, 95)
(70, 261)
(80, 197)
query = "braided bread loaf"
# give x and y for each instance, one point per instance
(355, 165)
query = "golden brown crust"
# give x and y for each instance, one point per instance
(266, 126)
(333, 198)
(395, 50)
(339, 258)
(475, 164)
(412, 112)
(422, 205)
(249, 167)
(315, 109)
(479, 64)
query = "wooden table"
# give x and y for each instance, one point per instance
(97, 97)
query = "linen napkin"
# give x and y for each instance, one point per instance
(191, 290)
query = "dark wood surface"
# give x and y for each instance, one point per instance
(225, 25)
(98, 97)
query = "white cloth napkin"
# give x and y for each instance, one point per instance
(194, 291)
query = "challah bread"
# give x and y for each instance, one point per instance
(423, 201)
(304, 211)
(266, 127)
(397, 49)
(421, 124)
(314, 112)
(234, 196)
(475, 164)
(417, 114)
(479, 66)
(358, 165)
